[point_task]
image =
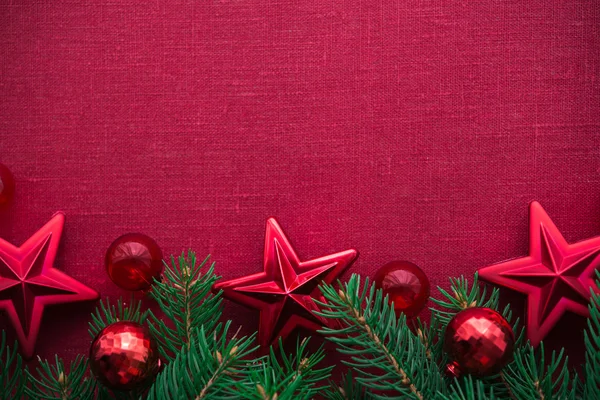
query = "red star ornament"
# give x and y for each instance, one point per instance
(556, 276)
(285, 291)
(29, 282)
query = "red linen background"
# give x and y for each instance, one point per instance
(412, 130)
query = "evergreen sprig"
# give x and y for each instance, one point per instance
(11, 364)
(108, 313)
(185, 298)
(469, 389)
(206, 369)
(530, 376)
(385, 354)
(285, 376)
(591, 388)
(463, 296)
(54, 381)
(348, 389)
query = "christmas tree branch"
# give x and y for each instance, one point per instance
(469, 389)
(378, 342)
(108, 314)
(463, 296)
(529, 376)
(349, 389)
(285, 376)
(57, 382)
(592, 346)
(206, 369)
(13, 377)
(185, 298)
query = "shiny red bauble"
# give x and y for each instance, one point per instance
(406, 285)
(134, 261)
(7, 186)
(124, 356)
(479, 341)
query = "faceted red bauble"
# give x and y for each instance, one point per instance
(7, 186)
(405, 284)
(479, 341)
(133, 261)
(124, 356)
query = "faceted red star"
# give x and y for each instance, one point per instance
(29, 282)
(284, 292)
(556, 276)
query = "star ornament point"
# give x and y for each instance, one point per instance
(556, 276)
(29, 282)
(285, 290)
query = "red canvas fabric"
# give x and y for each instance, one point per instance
(414, 130)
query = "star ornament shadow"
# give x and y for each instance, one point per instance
(29, 282)
(285, 290)
(556, 276)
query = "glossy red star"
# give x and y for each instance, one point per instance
(556, 276)
(29, 282)
(285, 291)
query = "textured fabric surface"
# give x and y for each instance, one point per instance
(414, 130)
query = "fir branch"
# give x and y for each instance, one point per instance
(378, 341)
(469, 389)
(591, 387)
(55, 382)
(349, 389)
(206, 369)
(294, 377)
(462, 297)
(530, 377)
(12, 378)
(108, 314)
(429, 337)
(185, 298)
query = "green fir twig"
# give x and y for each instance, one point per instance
(13, 375)
(185, 298)
(348, 389)
(385, 354)
(54, 381)
(530, 376)
(469, 389)
(591, 388)
(108, 313)
(206, 369)
(462, 296)
(284, 376)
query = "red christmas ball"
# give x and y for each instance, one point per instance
(124, 356)
(7, 186)
(133, 261)
(406, 285)
(479, 341)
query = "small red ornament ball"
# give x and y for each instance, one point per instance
(133, 261)
(7, 186)
(124, 356)
(405, 284)
(479, 341)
